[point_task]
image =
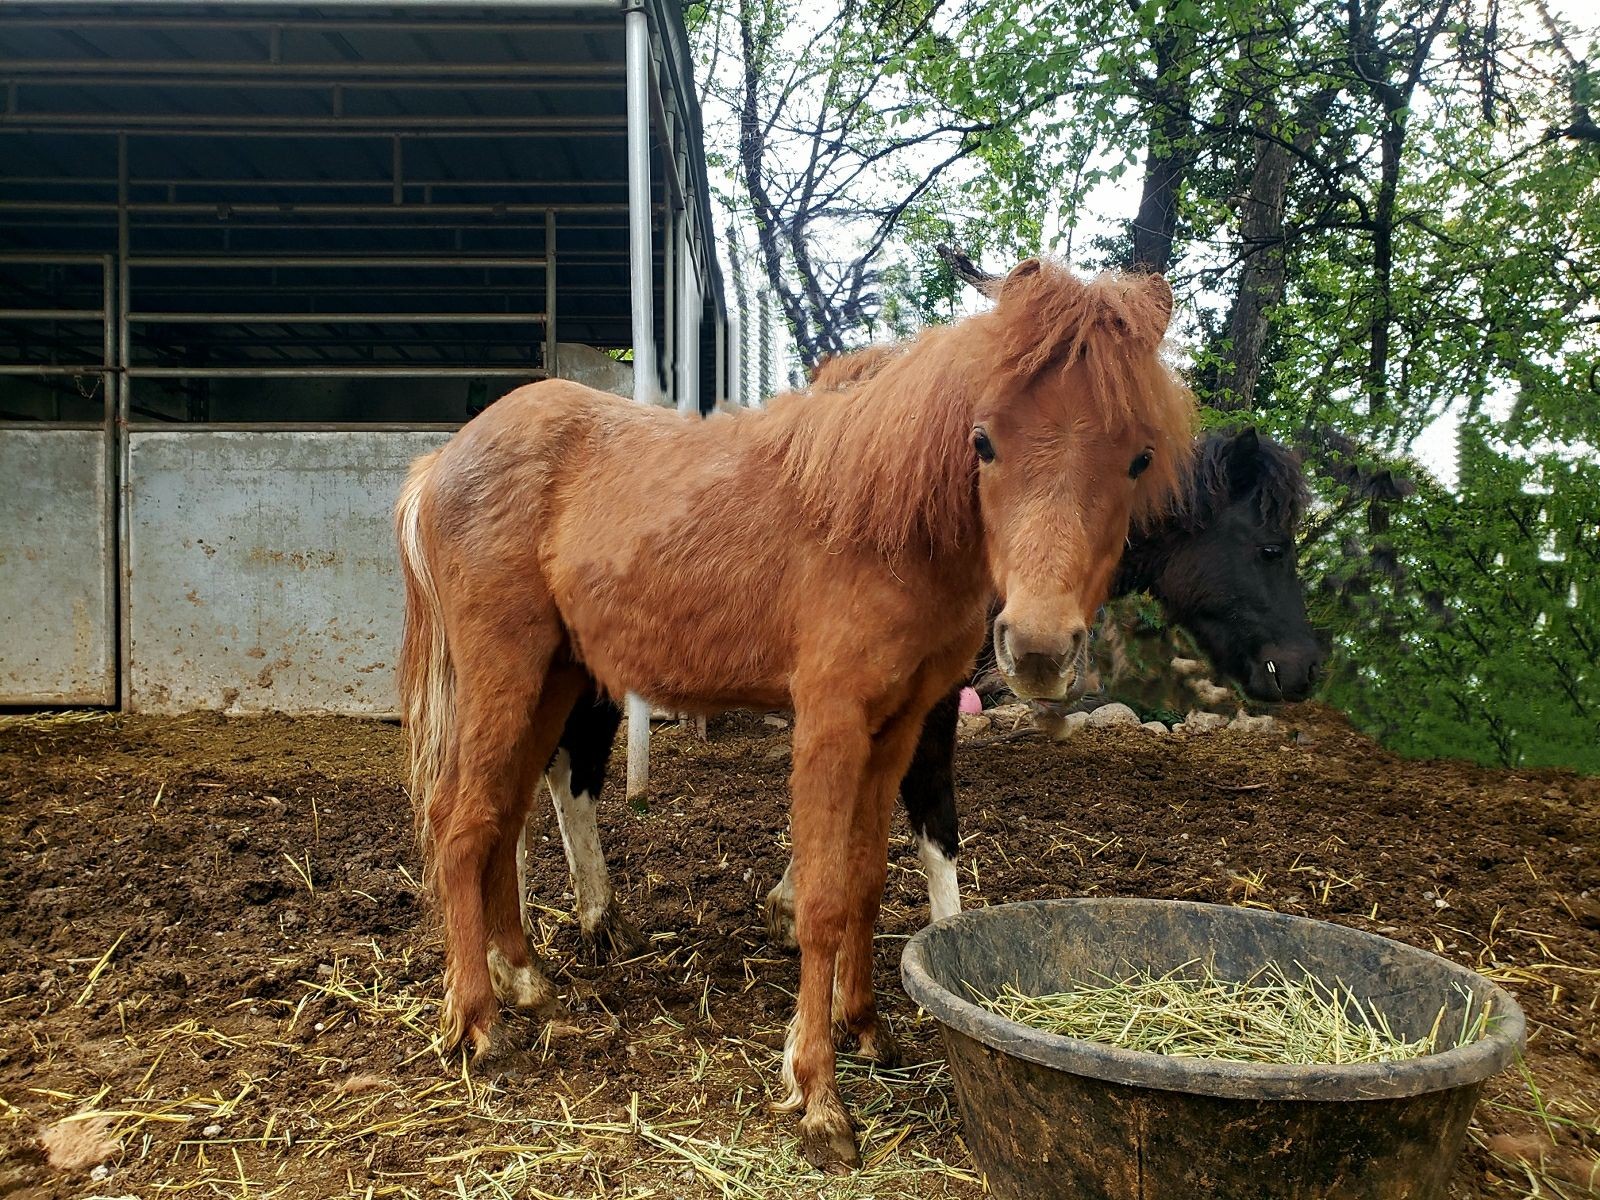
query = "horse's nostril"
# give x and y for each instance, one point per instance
(1002, 640)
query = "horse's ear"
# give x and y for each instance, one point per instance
(1244, 462)
(1161, 296)
(1018, 275)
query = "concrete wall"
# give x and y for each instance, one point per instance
(262, 571)
(57, 641)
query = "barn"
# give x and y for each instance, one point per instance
(255, 257)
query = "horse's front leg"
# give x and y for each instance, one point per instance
(857, 1021)
(928, 793)
(831, 754)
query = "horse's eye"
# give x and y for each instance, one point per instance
(1272, 553)
(982, 444)
(1137, 466)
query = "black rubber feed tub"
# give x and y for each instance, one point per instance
(1052, 1117)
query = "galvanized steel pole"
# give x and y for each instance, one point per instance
(687, 340)
(641, 269)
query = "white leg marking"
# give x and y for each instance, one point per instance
(793, 1100)
(944, 892)
(780, 909)
(580, 836)
(520, 987)
(522, 881)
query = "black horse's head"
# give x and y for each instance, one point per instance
(1226, 572)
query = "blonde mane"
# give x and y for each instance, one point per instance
(879, 452)
(843, 370)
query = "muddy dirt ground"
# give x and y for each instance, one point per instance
(217, 976)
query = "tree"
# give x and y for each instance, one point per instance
(1375, 213)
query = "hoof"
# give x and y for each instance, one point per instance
(612, 938)
(492, 1048)
(523, 987)
(828, 1143)
(874, 1042)
(473, 1031)
(780, 919)
(878, 1045)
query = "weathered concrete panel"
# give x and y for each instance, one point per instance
(262, 569)
(56, 614)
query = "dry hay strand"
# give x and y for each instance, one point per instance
(426, 1123)
(1189, 1012)
(1556, 1157)
(46, 722)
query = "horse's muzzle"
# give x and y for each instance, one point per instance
(1038, 667)
(1285, 672)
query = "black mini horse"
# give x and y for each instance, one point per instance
(1223, 568)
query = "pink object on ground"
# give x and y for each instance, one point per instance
(970, 702)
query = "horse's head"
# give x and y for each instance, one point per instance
(1231, 579)
(1083, 429)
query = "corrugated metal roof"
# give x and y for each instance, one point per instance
(256, 128)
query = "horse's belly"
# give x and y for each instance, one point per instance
(680, 622)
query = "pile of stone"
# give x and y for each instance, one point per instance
(1058, 727)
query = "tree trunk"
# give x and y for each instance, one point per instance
(1169, 155)
(1263, 274)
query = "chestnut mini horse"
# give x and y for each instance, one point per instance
(1222, 565)
(834, 556)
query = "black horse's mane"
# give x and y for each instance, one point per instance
(1279, 488)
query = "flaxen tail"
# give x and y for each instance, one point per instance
(427, 679)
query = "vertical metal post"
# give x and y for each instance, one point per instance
(108, 471)
(688, 313)
(719, 356)
(669, 297)
(736, 391)
(550, 294)
(641, 285)
(119, 431)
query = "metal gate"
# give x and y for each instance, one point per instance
(282, 248)
(57, 541)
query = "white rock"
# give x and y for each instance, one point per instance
(212, 1131)
(1153, 727)
(970, 725)
(1109, 715)
(1208, 692)
(1199, 721)
(1262, 724)
(1060, 728)
(100, 1174)
(1009, 716)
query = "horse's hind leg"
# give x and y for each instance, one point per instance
(513, 966)
(928, 792)
(779, 909)
(483, 798)
(576, 775)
